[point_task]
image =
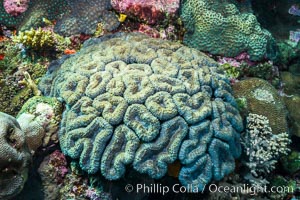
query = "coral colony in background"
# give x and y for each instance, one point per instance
(134, 99)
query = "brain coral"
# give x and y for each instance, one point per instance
(221, 28)
(131, 99)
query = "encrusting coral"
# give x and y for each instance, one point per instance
(221, 28)
(71, 16)
(262, 98)
(125, 106)
(84, 17)
(32, 17)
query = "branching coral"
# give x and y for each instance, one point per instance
(262, 147)
(123, 107)
(40, 39)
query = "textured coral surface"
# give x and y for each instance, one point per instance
(151, 11)
(14, 157)
(131, 99)
(32, 17)
(72, 16)
(84, 17)
(15, 7)
(263, 99)
(221, 28)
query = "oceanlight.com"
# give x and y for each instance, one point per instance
(212, 188)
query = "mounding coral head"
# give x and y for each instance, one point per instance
(14, 157)
(137, 101)
(222, 28)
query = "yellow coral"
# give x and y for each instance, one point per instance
(35, 39)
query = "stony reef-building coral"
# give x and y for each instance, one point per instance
(14, 157)
(219, 27)
(41, 40)
(140, 101)
(263, 99)
(39, 119)
(150, 11)
(84, 16)
(72, 16)
(33, 128)
(32, 17)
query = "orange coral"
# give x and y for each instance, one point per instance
(69, 51)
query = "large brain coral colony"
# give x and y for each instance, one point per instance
(134, 100)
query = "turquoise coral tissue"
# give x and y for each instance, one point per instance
(125, 109)
(221, 28)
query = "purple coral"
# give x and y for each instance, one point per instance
(15, 7)
(294, 10)
(295, 35)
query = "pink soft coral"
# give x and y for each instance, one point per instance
(15, 7)
(150, 11)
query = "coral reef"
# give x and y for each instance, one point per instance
(78, 185)
(73, 17)
(220, 28)
(14, 157)
(66, 181)
(14, 93)
(84, 17)
(52, 171)
(131, 99)
(33, 17)
(39, 119)
(263, 148)
(263, 99)
(15, 7)
(150, 11)
(35, 39)
(41, 40)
